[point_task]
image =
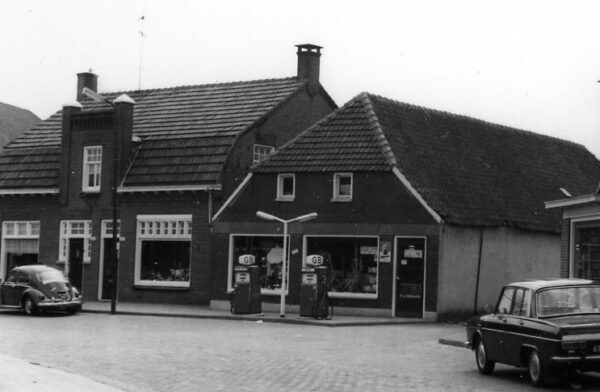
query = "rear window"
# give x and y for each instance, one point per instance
(50, 276)
(562, 301)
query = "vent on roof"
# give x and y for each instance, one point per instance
(86, 79)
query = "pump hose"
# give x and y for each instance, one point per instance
(232, 302)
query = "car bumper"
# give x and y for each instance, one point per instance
(60, 304)
(587, 362)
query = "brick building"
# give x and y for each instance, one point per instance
(175, 153)
(421, 213)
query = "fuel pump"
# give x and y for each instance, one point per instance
(245, 297)
(314, 289)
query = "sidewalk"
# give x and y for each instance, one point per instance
(197, 311)
(18, 375)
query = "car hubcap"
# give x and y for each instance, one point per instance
(28, 306)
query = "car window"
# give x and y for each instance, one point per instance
(23, 278)
(505, 300)
(568, 300)
(521, 302)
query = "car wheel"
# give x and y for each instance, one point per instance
(484, 365)
(536, 371)
(29, 307)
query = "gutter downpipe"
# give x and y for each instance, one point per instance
(478, 270)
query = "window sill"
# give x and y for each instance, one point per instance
(90, 192)
(141, 286)
(341, 199)
(284, 199)
(334, 294)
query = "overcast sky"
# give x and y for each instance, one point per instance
(533, 65)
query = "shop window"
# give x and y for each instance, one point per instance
(353, 263)
(163, 250)
(586, 249)
(342, 187)
(286, 187)
(268, 253)
(75, 229)
(261, 152)
(92, 167)
(20, 244)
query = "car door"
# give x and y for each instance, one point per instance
(10, 290)
(495, 326)
(517, 327)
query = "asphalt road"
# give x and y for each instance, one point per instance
(142, 353)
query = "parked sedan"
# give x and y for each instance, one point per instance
(551, 327)
(34, 288)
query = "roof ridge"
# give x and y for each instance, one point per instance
(380, 137)
(238, 82)
(475, 119)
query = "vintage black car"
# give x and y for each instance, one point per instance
(34, 288)
(551, 327)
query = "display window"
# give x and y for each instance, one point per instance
(353, 263)
(268, 253)
(163, 250)
(20, 244)
(586, 249)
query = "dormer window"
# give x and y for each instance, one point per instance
(286, 187)
(261, 152)
(92, 167)
(342, 187)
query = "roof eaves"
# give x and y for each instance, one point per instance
(169, 188)
(573, 201)
(29, 191)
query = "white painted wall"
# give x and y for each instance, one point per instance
(508, 255)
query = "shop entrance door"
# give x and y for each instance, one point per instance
(108, 271)
(76, 262)
(410, 274)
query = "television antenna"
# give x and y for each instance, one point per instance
(142, 35)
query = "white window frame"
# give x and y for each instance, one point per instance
(88, 165)
(280, 179)
(574, 221)
(71, 229)
(335, 294)
(336, 187)
(31, 232)
(260, 152)
(162, 232)
(230, 267)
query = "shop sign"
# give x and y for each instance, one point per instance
(246, 259)
(368, 250)
(412, 253)
(314, 260)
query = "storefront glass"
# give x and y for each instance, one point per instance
(352, 260)
(268, 253)
(586, 249)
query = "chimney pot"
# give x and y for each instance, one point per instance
(86, 79)
(309, 58)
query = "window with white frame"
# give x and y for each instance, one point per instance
(92, 168)
(286, 187)
(342, 187)
(163, 250)
(353, 263)
(20, 244)
(268, 254)
(261, 152)
(585, 248)
(75, 229)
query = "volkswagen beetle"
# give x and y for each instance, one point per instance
(551, 327)
(34, 288)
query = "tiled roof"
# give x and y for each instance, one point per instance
(29, 168)
(186, 131)
(469, 171)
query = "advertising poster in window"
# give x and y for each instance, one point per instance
(385, 252)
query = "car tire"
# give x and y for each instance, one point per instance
(484, 365)
(536, 370)
(29, 306)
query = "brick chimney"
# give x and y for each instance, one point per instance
(309, 58)
(86, 79)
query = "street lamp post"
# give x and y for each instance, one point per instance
(284, 261)
(114, 249)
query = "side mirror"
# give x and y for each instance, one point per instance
(488, 308)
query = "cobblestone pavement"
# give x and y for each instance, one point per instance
(142, 353)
